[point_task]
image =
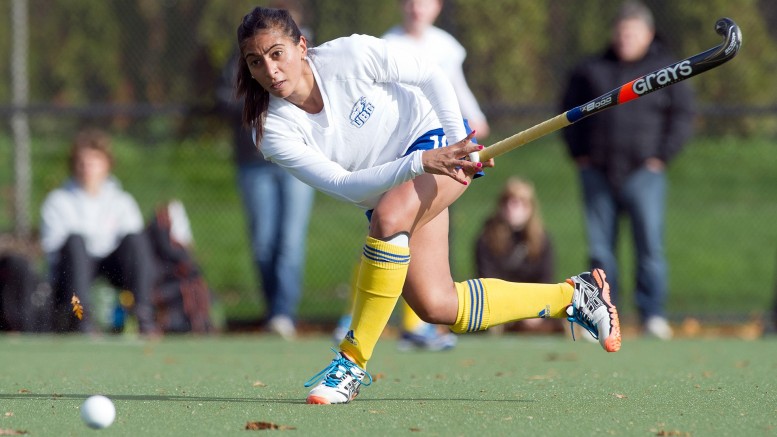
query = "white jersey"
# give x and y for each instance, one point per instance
(102, 220)
(377, 101)
(440, 47)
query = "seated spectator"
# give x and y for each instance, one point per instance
(91, 227)
(514, 246)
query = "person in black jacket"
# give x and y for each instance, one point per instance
(622, 156)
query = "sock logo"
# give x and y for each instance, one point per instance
(350, 338)
(545, 313)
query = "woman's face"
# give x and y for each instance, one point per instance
(516, 211)
(91, 167)
(276, 62)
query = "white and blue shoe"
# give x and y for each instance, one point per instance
(426, 337)
(338, 383)
(592, 309)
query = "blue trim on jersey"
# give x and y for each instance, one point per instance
(432, 140)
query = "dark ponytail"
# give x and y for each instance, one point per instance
(257, 99)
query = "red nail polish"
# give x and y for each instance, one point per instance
(481, 147)
(480, 165)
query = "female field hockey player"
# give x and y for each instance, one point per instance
(382, 129)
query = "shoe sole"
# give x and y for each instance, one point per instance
(318, 400)
(613, 342)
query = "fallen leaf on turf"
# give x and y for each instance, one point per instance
(415, 429)
(78, 309)
(378, 376)
(12, 431)
(619, 396)
(256, 426)
(258, 384)
(23, 390)
(9, 414)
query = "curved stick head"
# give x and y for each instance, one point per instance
(733, 36)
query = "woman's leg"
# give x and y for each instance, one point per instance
(386, 256)
(475, 304)
(382, 271)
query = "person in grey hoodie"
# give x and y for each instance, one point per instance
(91, 227)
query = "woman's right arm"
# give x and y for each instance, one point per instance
(313, 168)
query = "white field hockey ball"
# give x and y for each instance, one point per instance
(98, 412)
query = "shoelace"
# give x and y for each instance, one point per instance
(337, 369)
(580, 318)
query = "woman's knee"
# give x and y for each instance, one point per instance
(435, 307)
(387, 221)
(434, 313)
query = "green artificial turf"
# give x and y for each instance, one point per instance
(487, 385)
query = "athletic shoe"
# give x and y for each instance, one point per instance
(426, 337)
(658, 327)
(343, 325)
(283, 326)
(338, 383)
(591, 308)
(579, 332)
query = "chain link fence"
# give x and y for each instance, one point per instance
(146, 70)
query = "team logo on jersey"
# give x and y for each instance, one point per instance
(361, 112)
(545, 313)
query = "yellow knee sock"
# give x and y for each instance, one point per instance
(381, 278)
(410, 320)
(491, 302)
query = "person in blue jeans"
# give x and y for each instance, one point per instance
(277, 207)
(622, 157)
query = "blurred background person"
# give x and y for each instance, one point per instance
(91, 227)
(622, 157)
(277, 207)
(418, 34)
(514, 245)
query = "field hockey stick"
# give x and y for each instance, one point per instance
(637, 88)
